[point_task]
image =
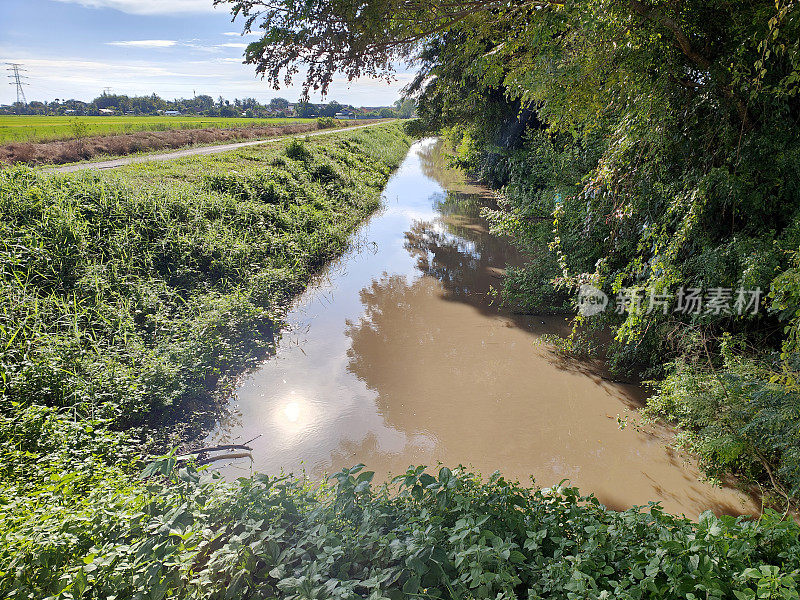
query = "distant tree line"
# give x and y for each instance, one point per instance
(205, 105)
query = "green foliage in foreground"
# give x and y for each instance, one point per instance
(128, 296)
(185, 534)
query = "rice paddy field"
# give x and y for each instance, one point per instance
(42, 128)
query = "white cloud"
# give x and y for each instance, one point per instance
(194, 44)
(144, 43)
(84, 78)
(239, 34)
(149, 7)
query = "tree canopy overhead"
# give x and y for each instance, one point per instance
(732, 49)
(352, 38)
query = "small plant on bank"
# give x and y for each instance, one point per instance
(296, 150)
(326, 123)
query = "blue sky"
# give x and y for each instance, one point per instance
(75, 48)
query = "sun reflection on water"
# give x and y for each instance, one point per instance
(294, 414)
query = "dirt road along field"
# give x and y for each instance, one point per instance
(129, 160)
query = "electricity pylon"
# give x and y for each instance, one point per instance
(17, 80)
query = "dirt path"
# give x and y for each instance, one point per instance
(129, 160)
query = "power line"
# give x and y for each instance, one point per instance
(16, 69)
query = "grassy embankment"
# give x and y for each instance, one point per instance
(45, 129)
(131, 294)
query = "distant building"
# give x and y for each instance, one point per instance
(106, 111)
(172, 113)
(345, 114)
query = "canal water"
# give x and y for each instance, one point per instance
(396, 356)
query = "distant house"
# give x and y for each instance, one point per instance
(345, 114)
(70, 111)
(107, 111)
(172, 113)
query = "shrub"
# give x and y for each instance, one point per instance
(735, 419)
(326, 123)
(186, 534)
(296, 150)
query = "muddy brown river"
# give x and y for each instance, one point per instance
(395, 356)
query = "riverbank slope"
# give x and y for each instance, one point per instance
(134, 297)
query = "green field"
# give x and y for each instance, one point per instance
(40, 128)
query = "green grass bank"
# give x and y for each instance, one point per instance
(134, 296)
